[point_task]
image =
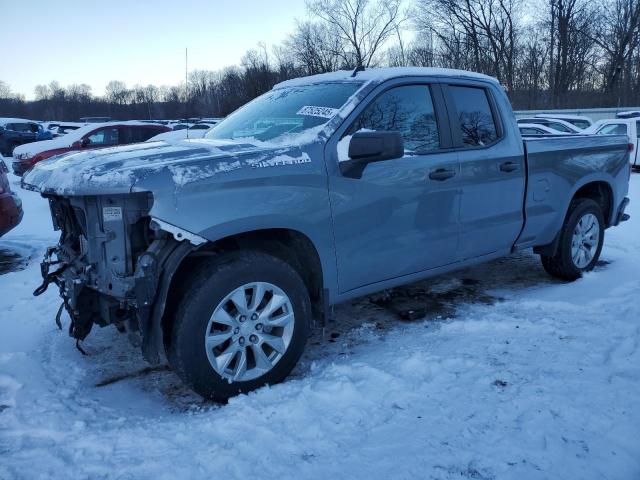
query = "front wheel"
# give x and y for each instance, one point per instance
(580, 241)
(242, 323)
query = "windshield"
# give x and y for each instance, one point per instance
(290, 110)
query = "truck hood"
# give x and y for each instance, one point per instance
(133, 167)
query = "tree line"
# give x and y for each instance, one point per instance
(546, 53)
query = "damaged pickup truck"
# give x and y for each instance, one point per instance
(219, 254)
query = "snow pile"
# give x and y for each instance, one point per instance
(510, 375)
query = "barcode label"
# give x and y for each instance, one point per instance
(110, 214)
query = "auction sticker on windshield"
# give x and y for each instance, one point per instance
(311, 111)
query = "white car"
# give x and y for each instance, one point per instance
(537, 129)
(579, 121)
(628, 114)
(621, 126)
(555, 123)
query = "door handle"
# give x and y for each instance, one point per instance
(508, 167)
(441, 174)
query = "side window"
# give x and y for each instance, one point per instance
(104, 136)
(408, 110)
(475, 117)
(142, 134)
(560, 127)
(19, 127)
(529, 131)
(613, 129)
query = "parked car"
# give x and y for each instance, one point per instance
(224, 251)
(10, 203)
(556, 124)
(17, 131)
(95, 119)
(67, 127)
(628, 114)
(629, 127)
(201, 126)
(579, 121)
(535, 129)
(51, 126)
(88, 137)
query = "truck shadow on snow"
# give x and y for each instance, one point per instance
(15, 256)
(352, 324)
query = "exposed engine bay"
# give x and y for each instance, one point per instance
(112, 265)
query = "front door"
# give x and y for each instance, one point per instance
(401, 216)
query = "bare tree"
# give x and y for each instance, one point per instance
(362, 25)
(572, 46)
(315, 48)
(618, 35)
(479, 35)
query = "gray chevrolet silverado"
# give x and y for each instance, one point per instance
(222, 252)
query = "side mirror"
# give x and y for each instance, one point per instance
(85, 142)
(368, 147)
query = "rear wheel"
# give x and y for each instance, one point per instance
(242, 323)
(580, 242)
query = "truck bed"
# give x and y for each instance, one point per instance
(557, 167)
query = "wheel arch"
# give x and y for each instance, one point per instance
(290, 245)
(597, 188)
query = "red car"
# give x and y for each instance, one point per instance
(87, 137)
(10, 204)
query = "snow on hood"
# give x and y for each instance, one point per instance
(65, 141)
(119, 169)
(178, 135)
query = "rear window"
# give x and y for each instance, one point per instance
(137, 134)
(613, 129)
(475, 117)
(580, 123)
(20, 127)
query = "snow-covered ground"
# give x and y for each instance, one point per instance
(511, 375)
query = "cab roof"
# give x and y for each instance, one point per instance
(382, 74)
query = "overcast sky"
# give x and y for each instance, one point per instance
(89, 41)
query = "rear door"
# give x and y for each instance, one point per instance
(401, 216)
(492, 170)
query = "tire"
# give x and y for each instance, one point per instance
(562, 265)
(206, 301)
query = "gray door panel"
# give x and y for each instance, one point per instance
(401, 216)
(493, 172)
(395, 220)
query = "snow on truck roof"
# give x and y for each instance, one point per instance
(381, 74)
